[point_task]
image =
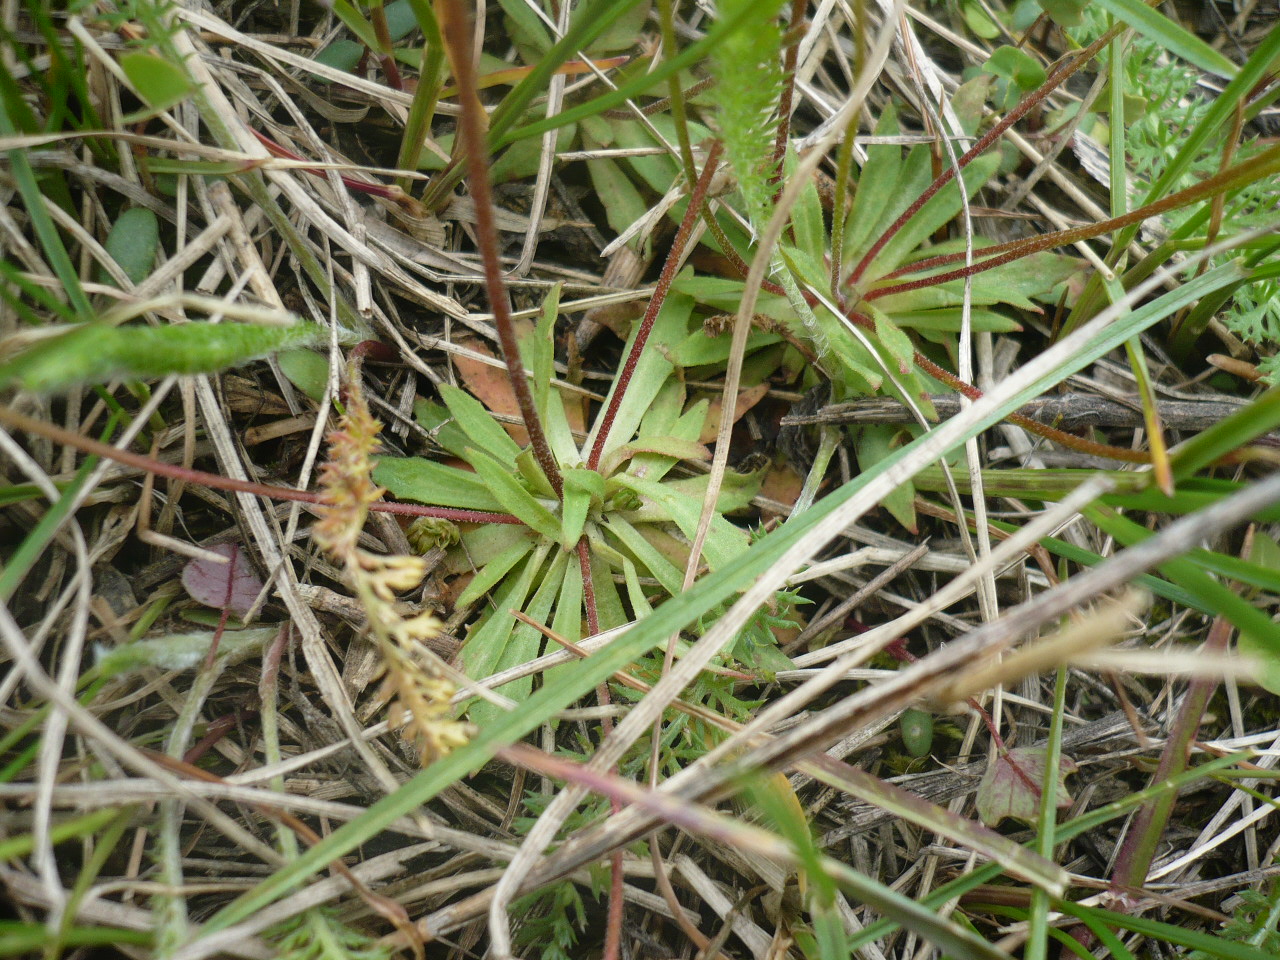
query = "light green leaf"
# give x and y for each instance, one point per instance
(1171, 36)
(684, 508)
(160, 83)
(477, 423)
(96, 353)
(306, 370)
(660, 568)
(133, 242)
(874, 444)
(501, 641)
(493, 572)
(413, 478)
(582, 488)
(537, 350)
(514, 498)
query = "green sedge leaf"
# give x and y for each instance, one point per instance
(1171, 36)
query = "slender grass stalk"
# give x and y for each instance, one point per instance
(1046, 827)
(455, 29)
(427, 94)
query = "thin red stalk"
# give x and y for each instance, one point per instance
(226, 609)
(1056, 79)
(1080, 444)
(218, 482)
(795, 30)
(387, 55)
(669, 268)
(387, 191)
(455, 29)
(1264, 164)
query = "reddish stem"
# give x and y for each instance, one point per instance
(1264, 164)
(795, 31)
(1056, 79)
(669, 268)
(1069, 440)
(387, 55)
(387, 191)
(217, 482)
(454, 24)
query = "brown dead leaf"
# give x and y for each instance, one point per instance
(747, 399)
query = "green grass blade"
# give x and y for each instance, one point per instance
(1176, 39)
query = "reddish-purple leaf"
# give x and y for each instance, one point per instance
(1006, 792)
(232, 586)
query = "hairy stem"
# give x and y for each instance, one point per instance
(215, 481)
(1069, 440)
(674, 259)
(454, 24)
(1055, 80)
(795, 32)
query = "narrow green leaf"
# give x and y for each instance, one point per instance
(581, 488)
(493, 572)
(1172, 36)
(514, 498)
(478, 424)
(413, 478)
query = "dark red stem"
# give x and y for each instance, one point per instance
(454, 27)
(1262, 165)
(387, 191)
(795, 31)
(669, 268)
(1069, 440)
(1056, 79)
(387, 55)
(218, 482)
